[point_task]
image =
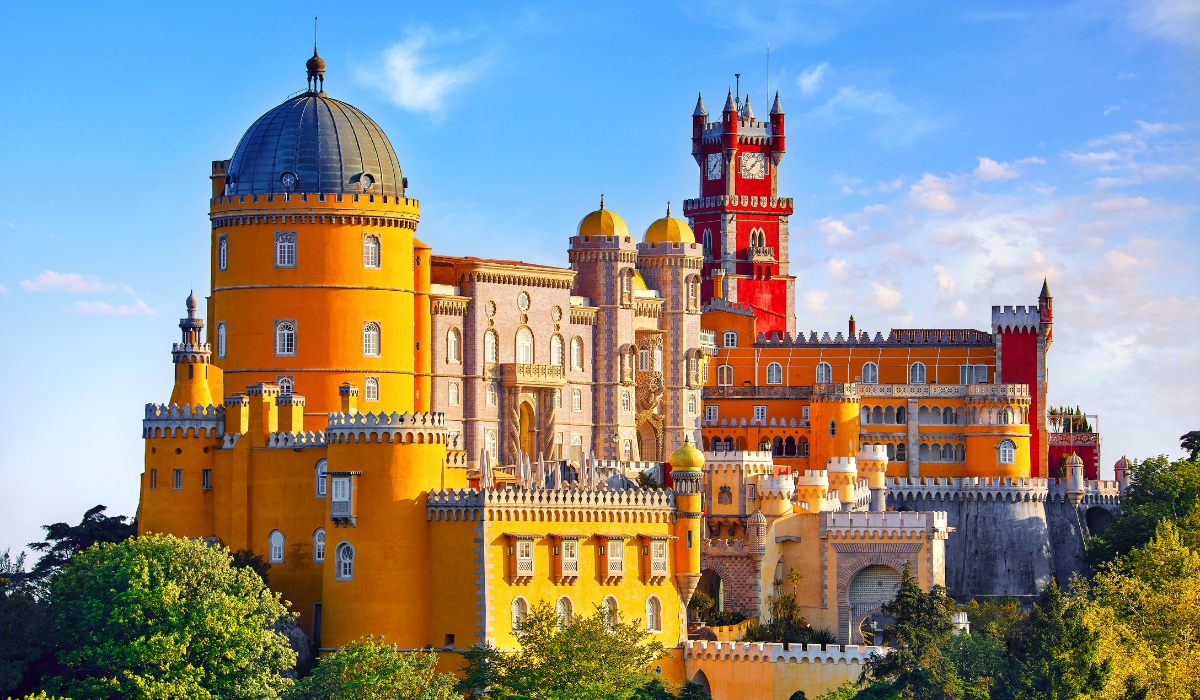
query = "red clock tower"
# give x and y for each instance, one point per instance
(739, 216)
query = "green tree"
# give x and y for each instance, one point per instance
(63, 541)
(994, 617)
(916, 666)
(785, 624)
(1159, 489)
(1190, 442)
(371, 669)
(255, 562)
(162, 617)
(701, 602)
(1053, 655)
(979, 659)
(590, 657)
(22, 624)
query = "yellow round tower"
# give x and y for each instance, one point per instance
(812, 488)
(872, 462)
(833, 417)
(687, 464)
(195, 377)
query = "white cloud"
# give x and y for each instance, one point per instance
(897, 123)
(810, 79)
(3, 289)
(991, 170)
(1125, 75)
(407, 80)
(71, 282)
(886, 296)
(931, 192)
(1173, 20)
(835, 230)
(101, 308)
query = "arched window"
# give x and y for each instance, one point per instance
(489, 346)
(577, 353)
(626, 401)
(865, 417)
(556, 350)
(725, 375)
(706, 241)
(1006, 416)
(371, 339)
(947, 452)
(222, 252)
(774, 373)
(653, 614)
(901, 416)
(285, 249)
(627, 452)
(220, 339)
(643, 360)
(658, 359)
(960, 453)
(691, 405)
(802, 447)
(489, 443)
(901, 452)
(870, 373)
(371, 251)
(824, 373)
(371, 389)
(889, 415)
(453, 346)
(525, 347)
(923, 453)
(322, 472)
(344, 570)
(923, 415)
(916, 373)
(319, 545)
(777, 446)
(520, 609)
(610, 612)
(564, 611)
(1008, 451)
(491, 394)
(285, 338)
(276, 554)
(576, 400)
(877, 415)
(453, 393)
(948, 416)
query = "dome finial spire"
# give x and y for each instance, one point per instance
(668, 209)
(316, 67)
(602, 201)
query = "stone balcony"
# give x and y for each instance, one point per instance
(760, 254)
(546, 376)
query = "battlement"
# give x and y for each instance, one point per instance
(1095, 492)
(307, 438)
(842, 465)
(555, 505)
(162, 420)
(813, 477)
(971, 488)
(903, 524)
(289, 200)
(895, 337)
(670, 248)
(385, 427)
(191, 352)
(872, 453)
(775, 205)
(580, 243)
(1011, 319)
(771, 486)
(772, 652)
(718, 304)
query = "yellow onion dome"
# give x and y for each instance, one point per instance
(686, 458)
(669, 230)
(603, 222)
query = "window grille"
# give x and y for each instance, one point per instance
(222, 252)
(729, 339)
(345, 562)
(286, 384)
(1008, 452)
(654, 613)
(711, 413)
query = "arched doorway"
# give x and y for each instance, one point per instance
(528, 430)
(647, 442)
(713, 587)
(701, 680)
(1097, 519)
(870, 588)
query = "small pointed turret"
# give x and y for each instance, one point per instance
(699, 111)
(776, 108)
(191, 357)
(747, 113)
(729, 103)
(1045, 289)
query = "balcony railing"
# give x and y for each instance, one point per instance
(616, 566)
(761, 254)
(708, 339)
(513, 374)
(525, 566)
(570, 566)
(339, 509)
(757, 392)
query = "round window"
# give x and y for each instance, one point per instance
(366, 181)
(556, 313)
(288, 180)
(490, 308)
(523, 301)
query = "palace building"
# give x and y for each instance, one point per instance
(363, 413)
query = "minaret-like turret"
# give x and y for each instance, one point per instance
(699, 119)
(687, 464)
(192, 359)
(1046, 312)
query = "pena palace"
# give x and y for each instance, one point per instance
(425, 446)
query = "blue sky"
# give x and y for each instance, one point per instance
(943, 157)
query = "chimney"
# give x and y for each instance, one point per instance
(853, 327)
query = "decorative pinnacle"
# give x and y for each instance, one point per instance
(668, 209)
(1045, 289)
(747, 113)
(601, 201)
(776, 108)
(700, 111)
(729, 103)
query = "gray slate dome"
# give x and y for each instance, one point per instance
(312, 143)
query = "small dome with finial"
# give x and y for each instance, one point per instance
(1073, 460)
(603, 222)
(315, 65)
(669, 230)
(191, 304)
(686, 458)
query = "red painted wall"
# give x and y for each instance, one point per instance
(1018, 365)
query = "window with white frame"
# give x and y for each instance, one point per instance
(916, 373)
(287, 384)
(804, 414)
(520, 608)
(627, 450)
(489, 443)
(222, 252)
(565, 611)
(774, 373)
(490, 351)
(729, 339)
(319, 545)
(524, 557)
(570, 557)
(285, 337)
(760, 413)
(220, 339)
(178, 480)
(973, 374)
(711, 413)
(371, 256)
(658, 558)
(371, 339)
(453, 346)
(824, 373)
(276, 552)
(692, 404)
(725, 375)
(576, 400)
(344, 565)
(322, 473)
(577, 353)
(556, 350)
(525, 347)
(452, 393)
(371, 389)
(704, 372)
(626, 401)
(1007, 451)
(616, 557)
(285, 249)
(490, 394)
(653, 614)
(557, 398)
(341, 489)
(870, 373)
(658, 359)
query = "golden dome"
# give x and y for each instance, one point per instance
(687, 458)
(668, 230)
(639, 282)
(603, 222)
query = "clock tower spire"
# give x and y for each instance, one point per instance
(739, 216)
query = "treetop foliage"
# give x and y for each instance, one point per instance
(371, 669)
(1159, 489)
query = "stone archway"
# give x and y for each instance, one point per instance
(528, 430)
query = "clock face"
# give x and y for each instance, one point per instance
(288, 180)
(715, 161)
(754, 166)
